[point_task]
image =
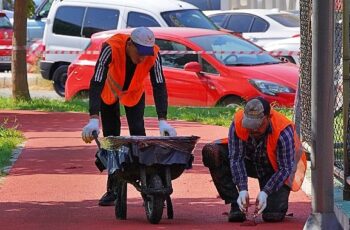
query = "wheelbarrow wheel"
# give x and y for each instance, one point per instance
(120, 204)
(154, 203)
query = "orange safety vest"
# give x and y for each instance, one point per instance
(279, 123)
(113, 88)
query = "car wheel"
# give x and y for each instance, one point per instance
(59, 79)
(232, 102)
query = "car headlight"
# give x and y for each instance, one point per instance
(270, 88)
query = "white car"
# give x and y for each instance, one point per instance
(290, 48)
(260, 26)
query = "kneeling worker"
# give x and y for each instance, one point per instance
(262, 143)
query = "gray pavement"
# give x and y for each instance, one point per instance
(38, 87)
(34, 93)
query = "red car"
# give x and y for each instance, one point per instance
(6, 33)
(204, 68)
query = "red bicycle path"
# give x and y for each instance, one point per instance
(54, 183)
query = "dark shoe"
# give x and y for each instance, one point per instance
(273, 216)
(107, 199)
(236, 215)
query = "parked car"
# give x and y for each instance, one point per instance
(71, 23)
(260, 26)
(6, 34)
(36, 24)
(224, 77)
(290, 48)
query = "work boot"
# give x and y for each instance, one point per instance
(108, 199)
(273, 216)
(110, 196)
(236, 215)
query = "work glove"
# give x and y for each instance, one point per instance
(166, 129)
(93, 125)
(243, 200)
(261, 202)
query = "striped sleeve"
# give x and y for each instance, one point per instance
(160, 93)
(98, 79)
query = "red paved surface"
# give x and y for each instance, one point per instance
(54, 184)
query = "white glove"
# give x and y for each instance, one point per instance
(93, 125)
(243, 200)
(164, 128)
(261, 202)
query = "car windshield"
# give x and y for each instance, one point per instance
(188, 18)
(5, 22)
(288, 20)
(233, 51)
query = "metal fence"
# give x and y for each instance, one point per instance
(303, 101)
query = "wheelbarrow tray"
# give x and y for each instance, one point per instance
(123, 152)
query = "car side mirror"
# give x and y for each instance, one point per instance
(193, 67)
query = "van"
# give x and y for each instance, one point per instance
(70, 24)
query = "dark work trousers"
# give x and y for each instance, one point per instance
(111, 125)
(215, 157)
(110, 117)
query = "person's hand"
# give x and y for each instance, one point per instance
(261, 202)
(164, 128)
(243, 200)
(93, 125)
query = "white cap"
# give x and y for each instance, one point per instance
(143, 39)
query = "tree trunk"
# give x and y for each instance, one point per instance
(20, 90)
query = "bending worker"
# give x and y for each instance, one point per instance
(121, 70)
(263, 144)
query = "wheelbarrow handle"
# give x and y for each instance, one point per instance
(95, 135)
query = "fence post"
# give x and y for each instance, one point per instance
(346, 90)
(322, 117)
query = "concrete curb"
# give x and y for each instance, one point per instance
(14, 156)
(6, 79)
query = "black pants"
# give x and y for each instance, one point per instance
(110, 117)
(215, 157)
(111, 125)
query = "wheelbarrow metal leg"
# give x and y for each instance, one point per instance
(170, 210)
(169, 205)
(121, 201)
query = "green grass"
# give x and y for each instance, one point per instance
(10, 137)
(211, 116)
(44, 105)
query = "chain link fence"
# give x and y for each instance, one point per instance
(303, 99)
(338, 85)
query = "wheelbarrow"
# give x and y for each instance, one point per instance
(148, 163)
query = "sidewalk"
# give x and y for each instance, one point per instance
(38, 87)
(55, 185)
(33, 79)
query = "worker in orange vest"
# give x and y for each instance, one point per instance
(120, 73)
(262, 143)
